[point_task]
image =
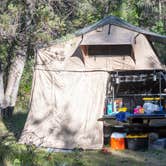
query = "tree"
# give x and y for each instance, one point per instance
(27, 24)
(19, 41)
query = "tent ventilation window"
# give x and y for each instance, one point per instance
(109, 50)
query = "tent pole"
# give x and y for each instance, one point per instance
(113, 97)
(160, 87)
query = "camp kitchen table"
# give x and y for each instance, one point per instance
(133, 117)
(131, 126)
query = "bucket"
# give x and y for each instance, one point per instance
(117, 141)
(137, 142)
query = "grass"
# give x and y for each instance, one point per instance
(14, 154)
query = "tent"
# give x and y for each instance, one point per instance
(70, 81)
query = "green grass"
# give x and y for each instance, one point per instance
(14, 154)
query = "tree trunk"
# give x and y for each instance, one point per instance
(160, 9)
(14, 77)
(1, 89)
(16, 68)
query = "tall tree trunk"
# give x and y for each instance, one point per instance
(1, 89)
(16, 68)
(14, 77)
(160, 9)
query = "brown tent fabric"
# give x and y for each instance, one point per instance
(64, 110)
(109, 34)
(69, 88)
(144, 56)
(65, 105)
(144, 59)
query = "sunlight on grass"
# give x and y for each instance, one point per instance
(3, 128)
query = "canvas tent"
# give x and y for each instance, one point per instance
(70, 80)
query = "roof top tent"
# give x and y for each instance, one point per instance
(129, 56)
(70, 82)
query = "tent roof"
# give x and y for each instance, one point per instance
(112, 20)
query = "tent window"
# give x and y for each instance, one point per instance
(109, 50)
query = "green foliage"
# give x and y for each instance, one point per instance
(87, 13)
(16, 162)
(20, 155)
(25, 85)
(40, 22)
(9, 19)
(3, 52)
(159, 27)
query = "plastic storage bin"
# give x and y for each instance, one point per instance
(137, 142)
